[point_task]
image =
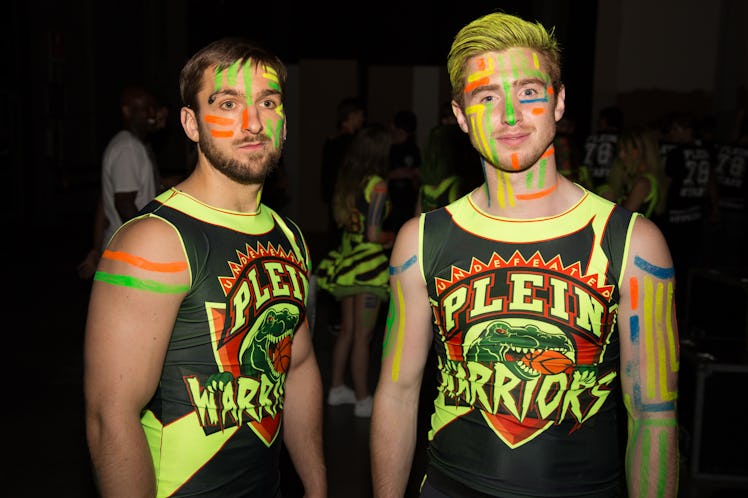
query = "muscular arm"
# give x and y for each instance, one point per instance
(302, 415)
(649, 364)
(407, 341)
(132, 309)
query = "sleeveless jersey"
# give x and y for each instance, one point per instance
(527, 348)
(214, 422)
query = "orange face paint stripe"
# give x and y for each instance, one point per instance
(218, 120)
(471, 86)
(144, 263)
(221, 134)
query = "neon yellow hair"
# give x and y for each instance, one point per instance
(496, 32)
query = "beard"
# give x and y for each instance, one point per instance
(252, 170)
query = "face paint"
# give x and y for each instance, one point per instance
(507, 99)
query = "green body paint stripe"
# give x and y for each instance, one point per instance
(388, 328)
(138, 283)
(662, 475)
(646, 451)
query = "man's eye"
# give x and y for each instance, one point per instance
(487, 99)
(529, 92)
(228, 105)
(268, 104)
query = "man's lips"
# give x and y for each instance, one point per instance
(252, 145)
(513, 138)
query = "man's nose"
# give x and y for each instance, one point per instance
(251, 119)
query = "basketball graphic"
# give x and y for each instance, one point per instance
(547, 361)
(281, 355)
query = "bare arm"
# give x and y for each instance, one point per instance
(408, 338)
(131, 315)
(302, 415)
(649, 364)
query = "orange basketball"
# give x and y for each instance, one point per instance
(282, 355)
(547, 362)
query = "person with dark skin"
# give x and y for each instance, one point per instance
(538, 299)
(198, 360)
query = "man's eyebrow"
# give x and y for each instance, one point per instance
(529, 81)
(485, 88)
(223, 91)
(269, 92)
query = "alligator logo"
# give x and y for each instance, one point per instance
(526, 351)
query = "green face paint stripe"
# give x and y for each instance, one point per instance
(232, 73)
(141, 284)
(272, 76)
(218, 80)
(528, 180)
(511, 117)
(273, 131)
(487, 131)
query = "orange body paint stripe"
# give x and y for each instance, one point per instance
(537, 111)
(634, 290)
(144, 263)
(221, 134)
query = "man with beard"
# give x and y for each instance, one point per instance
(547, 306)
(198, 356)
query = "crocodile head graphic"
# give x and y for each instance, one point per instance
(527, 351)
(269, 349)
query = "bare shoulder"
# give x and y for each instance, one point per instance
(148, 237)
(648, 244)
(406, 242)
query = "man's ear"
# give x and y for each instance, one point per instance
(558, 112)
(189, 124)
(460, 115)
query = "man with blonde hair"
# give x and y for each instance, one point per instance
(548, 307)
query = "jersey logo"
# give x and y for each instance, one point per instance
(252, 338)
(524, 341)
